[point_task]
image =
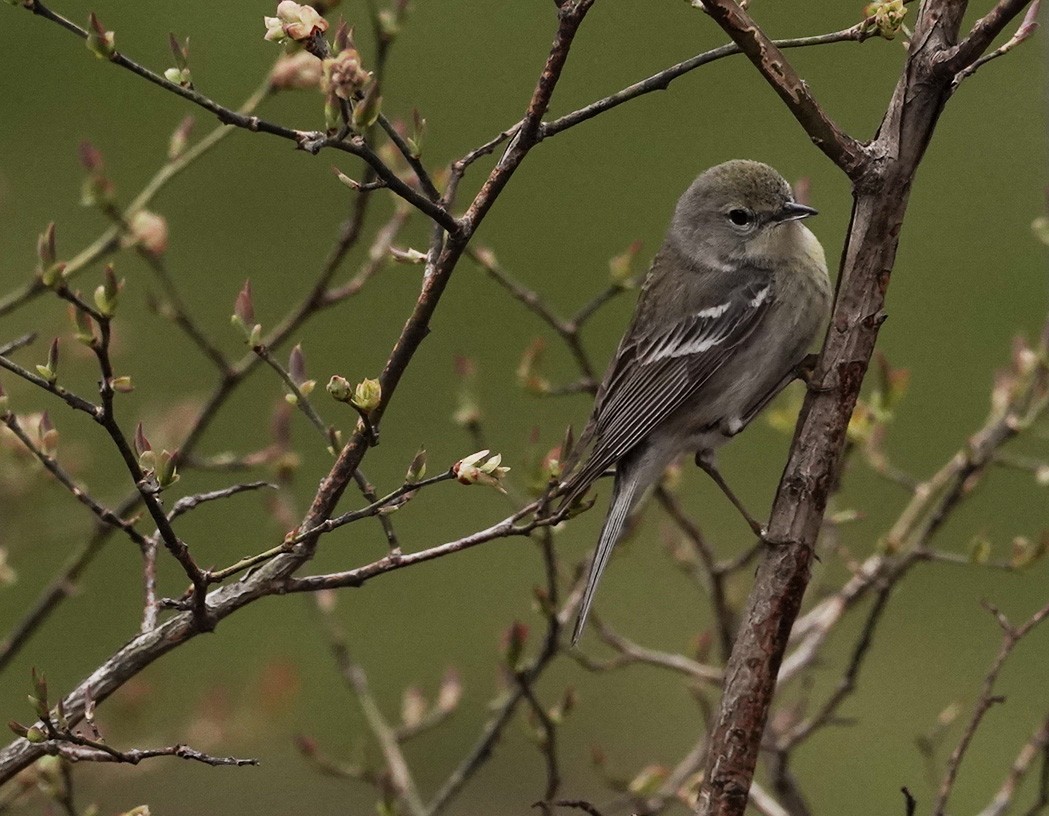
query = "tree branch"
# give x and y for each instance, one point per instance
(840, 148)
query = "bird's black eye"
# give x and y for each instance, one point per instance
(739, 217)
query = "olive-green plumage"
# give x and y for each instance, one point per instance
(731, 304)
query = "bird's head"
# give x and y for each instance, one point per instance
(739, 211)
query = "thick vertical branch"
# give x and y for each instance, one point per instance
(880, 200)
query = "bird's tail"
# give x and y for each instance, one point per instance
(624, 495)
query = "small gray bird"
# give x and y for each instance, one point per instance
(731, 304)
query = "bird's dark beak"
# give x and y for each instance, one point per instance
(793, 211)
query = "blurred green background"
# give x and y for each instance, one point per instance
(969, 276)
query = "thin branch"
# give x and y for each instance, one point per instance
(18, 343)
(310, 141)
(507, 528)
(629, 653)
(503, 712)
(839, 147)
(1011, 636)
(568, 331)
(661, 81)
(109, 241)
(68, 397)
(187, 503)
(301, 401)
(969, 50)
(62, 586)
(102, 513)
(355, 678)
(548, 739)
(1036, 746)
(1027, 27)
(846, 685)
(376, 507)
(78, 748)
(714, 576)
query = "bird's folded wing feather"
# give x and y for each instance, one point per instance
(656, 372)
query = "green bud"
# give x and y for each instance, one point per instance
(415, 138)
(17, 727)
(45, 246)
(36, 735)
(886, 17)
(339, 388)
(49, 371)
(108, 294)
(367, 394)
(165, 469)
(980, 549)
(47, 437)
(514, 640)
(100, 42)
(408, 256)
(39, 706)
(417, 468)
(122, 384)
(83, 329)
(621, 266)
(366, 112)
(180, 74)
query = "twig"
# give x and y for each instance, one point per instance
(368, 491)
(62, 586)
(1036, 746)
(661, 81)
(968, 51)
(109, 241)
(76, 748)
(102, 513)
(376, 507)
(714, 575)
(68, 397)
(16, 344)
(840, 148)
(547, 741)
(629, 653)
(568, 331)
(310, 141)
(301, 401)
(355, 678)
(493, 729)
(187, 503)
(1011, 635)
(846, 685)
(1023, 33)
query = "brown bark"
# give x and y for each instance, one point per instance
(882, 184)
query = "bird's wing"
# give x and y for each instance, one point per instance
(656, 372)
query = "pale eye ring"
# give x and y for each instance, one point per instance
(740, 217)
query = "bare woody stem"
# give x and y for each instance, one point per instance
(841, 148)
(887, 171)
(274, 576)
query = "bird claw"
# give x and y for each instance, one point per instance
(806, 372)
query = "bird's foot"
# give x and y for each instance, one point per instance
(806, 372)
